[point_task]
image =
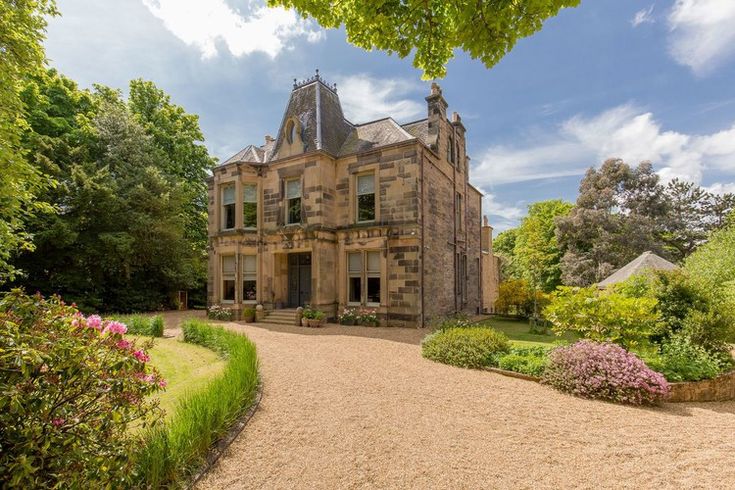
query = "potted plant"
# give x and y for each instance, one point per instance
(314, 318)
(368, 318)
(248, 315)
(348, 317)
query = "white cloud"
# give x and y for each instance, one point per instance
(702, 33)
(625, 131)
(643, 16)
(503, 215)
(721, 188)
(208, 25)
(365, 98)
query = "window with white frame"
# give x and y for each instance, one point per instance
(228, 278)
(364, 281)
(293, 201)
(228, 207)
(250, 205)
(249, 278)
(365, 198)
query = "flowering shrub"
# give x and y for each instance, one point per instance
(150, 326)
(604, 371)
(465, 347)
(458, 320)
(219, 312)
(71, 389)
(349, 316)
(368, 318)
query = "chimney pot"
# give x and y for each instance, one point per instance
(268, 138)
(456, 118)
(435, 89)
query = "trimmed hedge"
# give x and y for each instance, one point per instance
(472, 347)
(174, 453)
(144, 325)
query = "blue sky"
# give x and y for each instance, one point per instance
(641, 80)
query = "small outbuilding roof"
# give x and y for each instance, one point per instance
(647, 261)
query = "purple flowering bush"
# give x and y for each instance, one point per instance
(71, 389)
(604, 371)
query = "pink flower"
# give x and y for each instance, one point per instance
(162, 383)
(141, 356)
(115, 327)
(94, 321)
(58, 422)
(123, 344)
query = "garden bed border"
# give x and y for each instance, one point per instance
(219, 447)
(718, 389)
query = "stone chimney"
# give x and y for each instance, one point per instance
(437, 107)
(268, 139)
(486, 236)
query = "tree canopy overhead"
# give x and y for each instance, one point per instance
(485, 29)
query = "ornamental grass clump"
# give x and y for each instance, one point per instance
(473, 347)
(604, 371)
(72, 391)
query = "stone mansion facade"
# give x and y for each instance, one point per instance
(336, 215)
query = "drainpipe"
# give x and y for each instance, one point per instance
(422, 315)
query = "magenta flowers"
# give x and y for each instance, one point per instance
(605, 371)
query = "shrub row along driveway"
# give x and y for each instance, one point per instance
(353, 411)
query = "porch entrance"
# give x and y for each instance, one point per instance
(299, 279)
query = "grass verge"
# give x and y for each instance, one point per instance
(175, 451)
(519, 336)
(186, 367)
(150, 326)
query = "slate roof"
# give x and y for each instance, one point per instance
(317, 107)
(373, 135)
(647, 261)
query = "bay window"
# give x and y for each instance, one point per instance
(228, 278)
(228, 207)
(250, 205)
(249, 278)
(293, 201)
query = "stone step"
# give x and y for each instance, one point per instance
(281, 315)
(280, 321)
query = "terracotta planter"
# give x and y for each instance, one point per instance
(313, 323)
(304, 322)
(248, 319)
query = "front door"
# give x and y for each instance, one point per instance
(299, 279)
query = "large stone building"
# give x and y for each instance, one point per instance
(334, 214)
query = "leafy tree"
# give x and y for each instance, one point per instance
(22, 30)
(504, 247)
(712, 265)
(120, 241)
(484, 29)
(536, 248)
(614, 221)
(603, 316)
(693, 213)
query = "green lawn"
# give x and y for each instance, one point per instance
(185, 367)
(518, 332)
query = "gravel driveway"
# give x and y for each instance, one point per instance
(351, 411)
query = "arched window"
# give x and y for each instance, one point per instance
(450, 149)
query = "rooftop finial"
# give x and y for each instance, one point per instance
(317, 74)
(294, 83)
(316, 78)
